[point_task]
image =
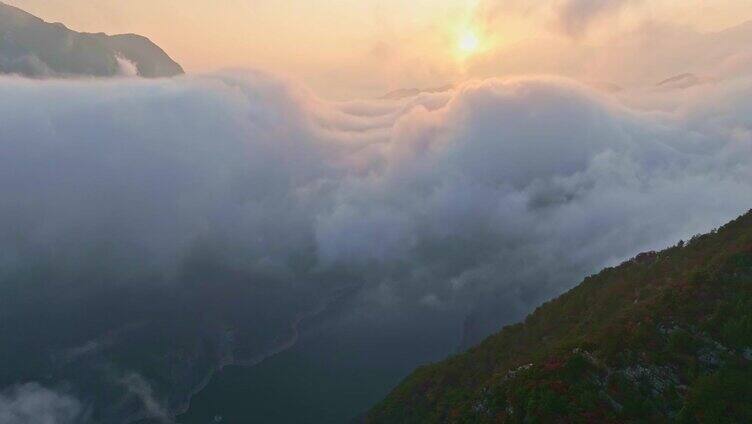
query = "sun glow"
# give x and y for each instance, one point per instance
(468, 42)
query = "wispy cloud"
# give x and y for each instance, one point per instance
(570, 17)
(33, 404)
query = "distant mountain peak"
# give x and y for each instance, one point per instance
(31, 47)
(682, 81)
(404, 93)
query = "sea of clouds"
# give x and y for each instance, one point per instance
(494, 196)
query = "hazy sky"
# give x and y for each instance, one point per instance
(343, 48)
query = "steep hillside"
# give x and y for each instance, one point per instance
(32, 47)
(666, 336)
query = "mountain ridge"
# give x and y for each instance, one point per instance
(32, 47)
(666, 336)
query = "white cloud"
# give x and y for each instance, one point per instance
(126, 67)
(140, 388)
(33, 404)
(503, 192)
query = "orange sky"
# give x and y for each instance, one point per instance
(343, 48)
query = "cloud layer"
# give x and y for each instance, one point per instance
(474, 189)
(494, 196)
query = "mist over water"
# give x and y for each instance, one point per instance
(239, 201)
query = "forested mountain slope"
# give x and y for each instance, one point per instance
(666, 336)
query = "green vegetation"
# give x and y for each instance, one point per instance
(666, 336)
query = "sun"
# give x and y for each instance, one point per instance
(468, 42)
